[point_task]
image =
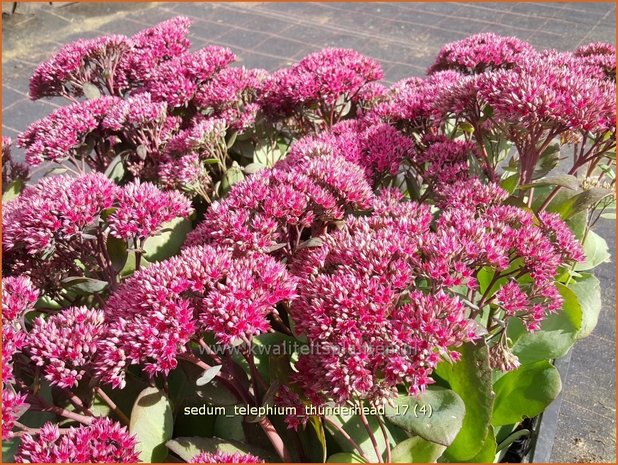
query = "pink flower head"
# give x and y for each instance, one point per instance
(565, 242)
(103, 441)
(64, 132)
(155, 313)
(65, 344)
(542, 95)
(323, 81)
(445, 161)
(11, 170)
(176, 81)
(344, 139)
(153, 46)
(186, 173)
(13, 340)
(145, 126)
(18, 297)
(471, 194)
(205, 137)
(142, 209)
(53, 211)
(85, 61)
(411, 104)
(599, 55)
(274, 209)
(225, 457)
(13, 406)
(232, 95)
(350, 307)
(480, 52)
(384, 148)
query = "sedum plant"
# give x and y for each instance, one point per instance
(223, 265)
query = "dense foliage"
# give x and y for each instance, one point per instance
(214, 236)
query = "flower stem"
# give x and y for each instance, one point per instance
(110, 403)
(372, 437)
(346, 436)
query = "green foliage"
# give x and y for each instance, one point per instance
(168, 242)
(152, 424)
(471, 379)
(417, 450)
(435, 415)
(557, 334)
(188, 447)
(525, 392)
(596, 251)
(13, 190)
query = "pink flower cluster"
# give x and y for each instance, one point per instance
(232, 95)
(225, 457)
(445, 161)
(177, 80)
(18, 298)
(102, 441)
(65, 344)
(546, 95)
(359, 304)
(276, 210)
(327, 80)
(479, 53)
(65, 132)
(111, 63)
(142, 209)
(53, 222)
(599, 55)
(156, 312)
(411, 104)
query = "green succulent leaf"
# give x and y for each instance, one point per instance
(152, 423)
(435, 415)
(525, 392)
(471, 379)
(167, 243)
(557, 334)
(417, 450)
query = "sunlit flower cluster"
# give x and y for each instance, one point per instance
(197, 211)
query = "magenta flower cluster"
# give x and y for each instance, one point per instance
(382, 227)
(102, 441)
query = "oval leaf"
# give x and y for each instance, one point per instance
(167, 243)
(471, 378)
(588, 292)
(435, 415)
(557, 334)
(91, 91)
(525, 392)
(188, 447)
(416, 450)
(596, 251)
(152, 423)
(84, 286)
